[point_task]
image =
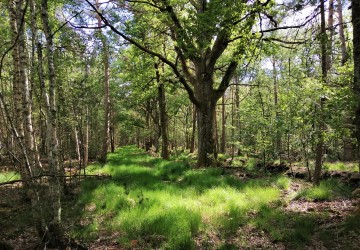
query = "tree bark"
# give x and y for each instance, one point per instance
(206, 140)
(193, 131)
(344, 55)
(278, 143)
(319, 151)
(86, 139)
(223, 125)
(53, 233)
(105, 55)
(163, 116)
(237, 115)
(331, 35)
(15, 9)
(356, 85)
(348, 152)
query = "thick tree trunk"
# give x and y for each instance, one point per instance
(15, 10)
(206, 140)
(53, 231)
(163, 122)
(356, 86)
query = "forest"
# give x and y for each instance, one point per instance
(180, 124)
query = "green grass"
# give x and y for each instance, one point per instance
(295, 229)
(340, 166)
(283, 182)
(327, 190)
(158, 204)
(9, 176)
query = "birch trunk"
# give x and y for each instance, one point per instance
(53, 232)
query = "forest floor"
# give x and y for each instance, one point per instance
(148, 203)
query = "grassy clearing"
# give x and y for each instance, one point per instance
(154, 204)
(327, 190)
(9, 176)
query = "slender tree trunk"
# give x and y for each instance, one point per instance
(356, 86)
(163, 122)
(187, 137)
(237, 112)
(331, 35)
(192, 140)
(319, 150)
(86, 139)
(32, 139)
(216, 134)
(77, 145)
(223, 125)
(105, 54)
(112, 138)
(348, 153)
(344, 55)
(278, 143)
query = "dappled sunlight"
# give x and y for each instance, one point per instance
(162, 204)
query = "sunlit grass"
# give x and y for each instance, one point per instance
(327, 190)
(340, 166)
(283, 182)
(155, 204)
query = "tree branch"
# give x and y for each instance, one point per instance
(182, 79)
(226, 79)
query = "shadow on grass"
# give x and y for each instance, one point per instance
(152, 203)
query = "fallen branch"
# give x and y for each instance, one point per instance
(58, 176)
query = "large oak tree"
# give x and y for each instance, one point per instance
(210, 39)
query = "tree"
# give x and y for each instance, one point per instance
(105, 56)
(163, 115)
(356, 54)
(52, 230)
(206, 36)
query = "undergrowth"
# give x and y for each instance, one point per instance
(151, 203)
